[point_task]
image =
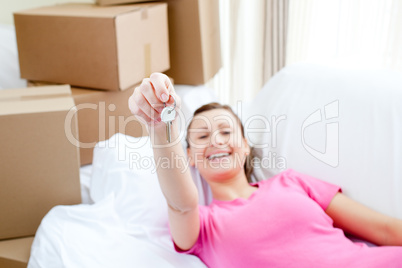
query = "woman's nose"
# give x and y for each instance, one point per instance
(219, 139)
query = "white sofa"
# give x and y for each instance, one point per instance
(341, 125)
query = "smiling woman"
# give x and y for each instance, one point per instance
(230, 129)
(286, 221)
(218, 149)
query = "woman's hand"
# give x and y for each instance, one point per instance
(147, 101)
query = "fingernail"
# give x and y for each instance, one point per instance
(164, 97)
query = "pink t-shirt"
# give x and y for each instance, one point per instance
(282, 224)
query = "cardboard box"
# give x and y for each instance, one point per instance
(110, 48)
(194, 39)
(195, 54)
(114, 2)
(39, 162)
(14, 253)
(101, 114)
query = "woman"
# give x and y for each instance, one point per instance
(286, 221)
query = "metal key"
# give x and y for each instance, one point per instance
(168, 114)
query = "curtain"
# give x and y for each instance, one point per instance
(352, 33)
(276, 21)
(253, 42)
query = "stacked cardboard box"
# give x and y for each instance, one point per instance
(195, 55)
(194, 39)
(109, 48)
(103, 51)
(116, 55)
(39, 163)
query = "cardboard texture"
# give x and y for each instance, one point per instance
(39, 163)
(114, 2)
(101, 114)
(14, 253)
(195, 55)
(85, 45)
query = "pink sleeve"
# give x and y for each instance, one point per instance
(195, 249)
(320, 191)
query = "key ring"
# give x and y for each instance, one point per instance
(174, 104)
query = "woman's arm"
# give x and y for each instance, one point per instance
(361, 221)
(174, 176)
(179, 190)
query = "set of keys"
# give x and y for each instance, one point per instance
(168, 114)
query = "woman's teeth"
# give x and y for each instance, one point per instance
(217, 155)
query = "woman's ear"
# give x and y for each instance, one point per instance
(192, 163)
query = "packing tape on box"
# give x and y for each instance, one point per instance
(147, 63)
(147, 47)
(144, 13)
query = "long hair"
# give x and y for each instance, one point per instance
(248, 166)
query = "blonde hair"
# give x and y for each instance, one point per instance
(248, 167)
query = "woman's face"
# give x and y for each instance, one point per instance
(217, 147)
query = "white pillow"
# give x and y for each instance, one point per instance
(9, 66)
(124, 167)
(356, 114)
(194, 97)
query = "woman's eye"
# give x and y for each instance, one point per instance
(203, 137)
(226, 132)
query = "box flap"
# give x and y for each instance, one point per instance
(84, 10)
(117, 2)
(17, 93)
(39, 99)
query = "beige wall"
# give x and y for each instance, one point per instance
(7, 7)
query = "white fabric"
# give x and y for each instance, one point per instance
(124, 167)
(9, 66)
(126, 227)
(85, 181)
(94, 236)
(357, 114)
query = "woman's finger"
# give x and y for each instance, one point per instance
(161, 84)
(144, 105)
(172, 100)
(143, 118)
(148, 92)
(136, 111)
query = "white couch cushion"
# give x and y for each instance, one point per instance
(342, 126)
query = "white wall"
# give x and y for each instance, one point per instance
(7, 7)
